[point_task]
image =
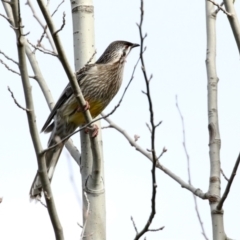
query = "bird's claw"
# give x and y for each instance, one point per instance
(85, 107)
(93, 129)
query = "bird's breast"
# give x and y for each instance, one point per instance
(99, 87)
(74, 114)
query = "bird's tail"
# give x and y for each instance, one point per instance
(51, 156)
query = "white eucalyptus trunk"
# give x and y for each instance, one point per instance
(94, 213)
(214, 134)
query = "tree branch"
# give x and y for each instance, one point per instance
(58, 6)
(217, 10)
(5, 17)
(48, 35)
(198, 192)
(189, 171)
(14, 99)
(134, 225)
(233, 20)
(11, 70)
(229, 184)
(32, 124)
(220, 8)
(43, 85)
(225, 177)
(43, 50)
(8, 58)
(213, 125)
(63, 24)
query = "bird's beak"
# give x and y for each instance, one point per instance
(135, 45)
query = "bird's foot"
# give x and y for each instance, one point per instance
(93, 129)
(85, 107)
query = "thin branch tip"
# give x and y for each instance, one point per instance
(16, 102)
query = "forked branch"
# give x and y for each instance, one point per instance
(229, 184)
(152, 128)
(32, 123)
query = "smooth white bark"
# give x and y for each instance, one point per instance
(94, 199)
(213, 127)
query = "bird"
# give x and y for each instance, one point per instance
(99, 83)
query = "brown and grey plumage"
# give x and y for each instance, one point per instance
(99, 83)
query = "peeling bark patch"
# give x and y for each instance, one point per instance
(214, 179)
(213, 199)
(84, 8)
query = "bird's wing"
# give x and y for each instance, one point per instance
(67, 92)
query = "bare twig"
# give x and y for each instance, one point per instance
(91, 58)
(228, 187)
(5, 18)
(63, 24)
(14, 99)
(217, 10)
(58, 6)
(233, 20)
(156, 230)
(152, 129)
(39, 200)
(48, 35)
(224, 175)
(42, 50)
(10, 69)
(149, 150)
(105, 127)
(79, 225)
(161, 154)
(41, 38)
(198, 192)
(25, 34)
(134, 225)
(149, 128)
(8, 58)
(29, 3)
(189, 171)
(6, 66)
(158, 124)
(14, 28)
(220, 7)
(45, 31)
(40, 44)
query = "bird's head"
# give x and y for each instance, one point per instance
(116, 51)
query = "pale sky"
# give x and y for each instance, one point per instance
(176, 53)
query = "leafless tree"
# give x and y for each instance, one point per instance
(90, 160)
